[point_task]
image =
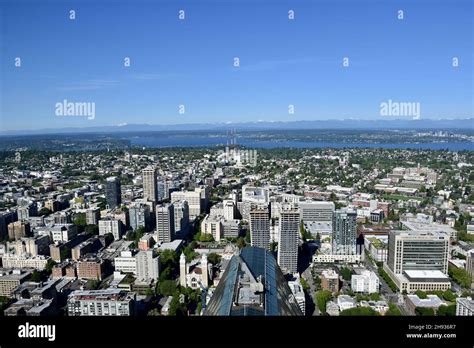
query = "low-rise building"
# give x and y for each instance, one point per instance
(298, 293)
(431, 301)
(90, 269)
(465, 306)
(345, 302)
(367, 281)
(332, 308)
(126, 262)
(9, 281)
(330, 280)
(108, 302)
(15, 261)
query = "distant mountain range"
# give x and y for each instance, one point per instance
(402, 124)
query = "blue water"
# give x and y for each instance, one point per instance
(187, 141)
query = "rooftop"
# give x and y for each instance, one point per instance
(432, 301)
(426, 274)
(252, 284)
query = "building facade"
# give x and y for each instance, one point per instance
(289, 237)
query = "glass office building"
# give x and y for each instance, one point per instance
(253, 284)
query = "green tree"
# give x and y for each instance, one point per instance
(393, 310)
(167, 287)
(304, 284)
(421, 294)
(375, 296)
(214, 258)
(387, 279)
(447, 310)
(80, 220)
(346, 273)
(65, 253)
(241, 243)
(322, 297)
(49, 266)
(36, 276)
(423, 311)
(247, 237)
(448, 295)
(189, 251)
(92, 230)
(44, 211)
(356, 311)
(305, 235)
(460, 276)
(206, 237)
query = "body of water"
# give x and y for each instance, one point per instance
(189, 141)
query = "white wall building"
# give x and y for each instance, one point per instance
(367, 282)
(14, 261)
(465, 306)
(111, 226)
(148, 266)
(126, 262)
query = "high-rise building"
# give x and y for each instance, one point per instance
(165, 222)
(148, 266)
(260, 227)
(140, 216)
(289, 236)
(470, 265)
(113, 192)
(181, 218)
(150, 189)
(411, 250)
(418, 260)
(344, 235)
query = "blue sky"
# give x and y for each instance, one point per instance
(190, 62)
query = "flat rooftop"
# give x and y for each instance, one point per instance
(425, 274)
